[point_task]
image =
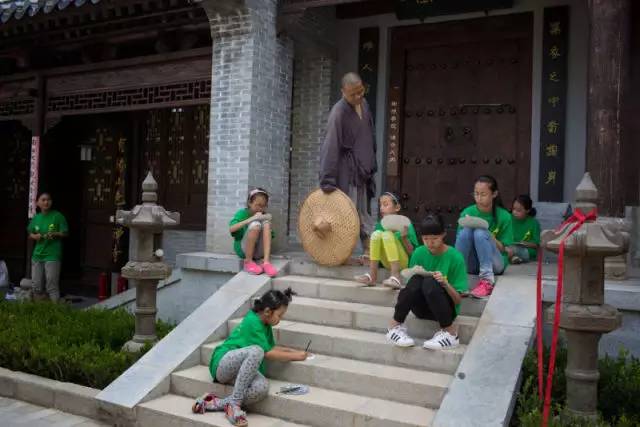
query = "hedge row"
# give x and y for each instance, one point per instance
(618, 393)
(58, 342)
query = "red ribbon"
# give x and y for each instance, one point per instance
(577, 219)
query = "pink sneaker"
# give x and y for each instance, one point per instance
(252, 268)
(482, 290)
(269, 269)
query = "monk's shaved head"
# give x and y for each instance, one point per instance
(351, 79)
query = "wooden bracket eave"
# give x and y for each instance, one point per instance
(291, 25)
(292, 6)
(222, 8)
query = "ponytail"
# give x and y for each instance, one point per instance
(527, 204)
(273, 300)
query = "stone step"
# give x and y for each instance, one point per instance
(304, 266)
(351, 291)
(415, 387)
(367, 317)
(319, 408)
(172, 410)
(363, 345)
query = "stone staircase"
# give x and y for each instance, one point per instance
(356, 379)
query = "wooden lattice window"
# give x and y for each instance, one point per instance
(176, 149)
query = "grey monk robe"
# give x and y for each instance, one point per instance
(348, 158)
(348, 155)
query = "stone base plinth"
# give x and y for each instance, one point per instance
(133, 346)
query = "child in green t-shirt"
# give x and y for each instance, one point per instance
(435, 295)
(526, 231)
(239, 360)
(251, 230)
(485, 251)
(391, 249)
(47, 228)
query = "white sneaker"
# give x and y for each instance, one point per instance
(442, 340)
(398, 336)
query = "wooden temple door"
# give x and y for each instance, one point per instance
(460, 107)
(175, 147)
(104, 178)
(14, 193)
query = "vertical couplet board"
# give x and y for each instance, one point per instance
(553, 112)
(368, 49)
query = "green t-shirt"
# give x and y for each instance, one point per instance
(251, 331)
(501, 226)
(411, 234)
(450, 264)
(48, 249)
(241, 215)
(527, 230)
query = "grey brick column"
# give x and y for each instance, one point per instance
(312, 90)
(250, 114)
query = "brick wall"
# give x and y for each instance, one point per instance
(311, 106)
(250, 110)
(313, 97)
(176, 242)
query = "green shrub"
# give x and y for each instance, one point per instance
(619, 389)
(61, 343)
(618, 392)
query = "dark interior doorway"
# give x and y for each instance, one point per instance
(14, 193)
(83, 166)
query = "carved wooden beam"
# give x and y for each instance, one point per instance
(215, 8)
(300, 5)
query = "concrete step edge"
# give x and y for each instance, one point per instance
(411, 386)
(162, 412)
(369, 317)
(350, 291)
(363, 345)
(321, 407)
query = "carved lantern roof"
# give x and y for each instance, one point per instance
(19, 8)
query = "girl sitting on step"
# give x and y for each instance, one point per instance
(526, 231)
(485, 249)
(433, 291)
(251, 230)
(391, 249)
(239, 360)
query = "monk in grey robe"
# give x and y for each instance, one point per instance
(348, 155)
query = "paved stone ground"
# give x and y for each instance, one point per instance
(16, 413)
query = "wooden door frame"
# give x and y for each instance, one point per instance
(502, 27)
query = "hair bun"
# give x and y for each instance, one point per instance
(257, 304)
(533, 212)
(289, 293)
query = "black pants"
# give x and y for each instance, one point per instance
(427, 299)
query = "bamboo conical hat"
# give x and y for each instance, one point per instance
(329, 227)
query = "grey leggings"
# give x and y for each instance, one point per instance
(240, 367)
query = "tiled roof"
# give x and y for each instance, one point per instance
(19, 8)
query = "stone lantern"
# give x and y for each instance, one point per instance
(585, 316)
(145, 266)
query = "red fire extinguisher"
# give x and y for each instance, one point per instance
(122, 284)
(102, 286)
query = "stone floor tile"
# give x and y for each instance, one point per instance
(16, 413)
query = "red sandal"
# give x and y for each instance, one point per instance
(207, 402)
(236, 415)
